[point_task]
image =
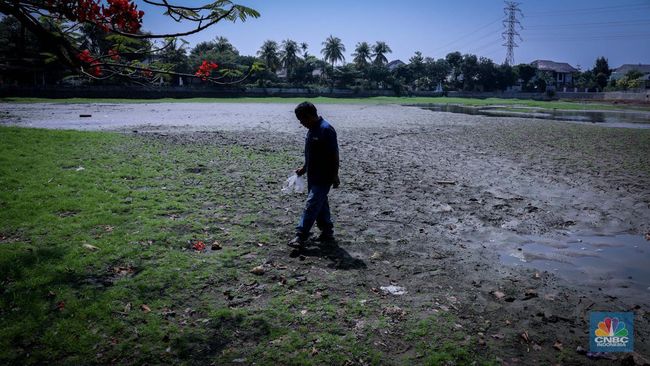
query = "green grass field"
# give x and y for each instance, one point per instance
(567, 105)
(97, 262)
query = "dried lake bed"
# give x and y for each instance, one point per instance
(448, 204)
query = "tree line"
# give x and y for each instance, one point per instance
(287, 63)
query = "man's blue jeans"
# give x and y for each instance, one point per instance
(317, 209)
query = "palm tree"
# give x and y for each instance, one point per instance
(221, 44)
(289, 55)
(304, 47)
(378, 52)
(333, 50)
(175, 55)
(361, 55)
(269, 54)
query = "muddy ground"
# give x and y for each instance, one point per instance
(428, 201)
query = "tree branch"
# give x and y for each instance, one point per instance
(57, 42)
(196, 30)
(59, 21)
(109, 65)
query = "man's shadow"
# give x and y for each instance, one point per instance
(340, 259)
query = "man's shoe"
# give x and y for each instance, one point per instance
(325, 238)
(297, 242)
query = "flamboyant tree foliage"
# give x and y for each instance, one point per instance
(57, 24)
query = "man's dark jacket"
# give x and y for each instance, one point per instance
(321, 154)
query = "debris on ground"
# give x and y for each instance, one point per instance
(394, 312)
(601, 355)
(634, 359)
(393, 290)
(123, 270)
(529, 294)
(199, 246)
(259, 270)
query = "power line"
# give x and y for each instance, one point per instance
(446, 46)
(591, 10)
(492, 52)
(485, 46)
(592, 38)
(573, 35)
(595, 24)
(598, 8)
(491, 33)
(585, 33)
(511, 23)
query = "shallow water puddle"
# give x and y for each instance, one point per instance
(632, 119)
(618, 261)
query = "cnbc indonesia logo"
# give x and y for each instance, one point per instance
(611, 332)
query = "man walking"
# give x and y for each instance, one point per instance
(322, 168)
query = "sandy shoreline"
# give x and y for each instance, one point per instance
(513, 179)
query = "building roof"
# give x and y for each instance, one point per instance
(619, 72)
(624, 69)
(546, 65)
(394, 64)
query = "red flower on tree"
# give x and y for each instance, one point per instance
(120, 14)
(206, 69)
(96, 71)
(85, 56)
(120, 17)
(124, 15)
(95, 68)
(114, 54)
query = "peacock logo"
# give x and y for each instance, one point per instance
(611, 327)
(611, 332)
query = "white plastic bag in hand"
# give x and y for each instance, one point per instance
(294, 184)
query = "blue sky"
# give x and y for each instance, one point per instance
(573, 31)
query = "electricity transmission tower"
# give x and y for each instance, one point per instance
(512, 26)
